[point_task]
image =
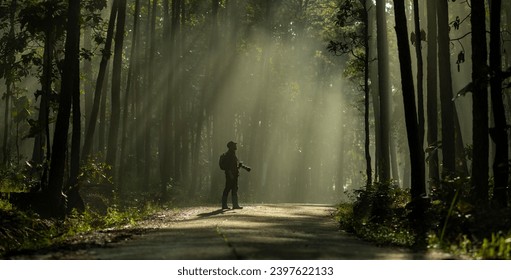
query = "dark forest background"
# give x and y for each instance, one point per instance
(396, 110)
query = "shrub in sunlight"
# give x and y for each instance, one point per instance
(115, 217)
(12, 180)
(5, 205)
(81, 222)
(344, 215)
(496, 247)
(95, 171)
(26, 231)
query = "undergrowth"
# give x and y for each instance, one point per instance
(380, 213)
(23, 229)
(27, 231)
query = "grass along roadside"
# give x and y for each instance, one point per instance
(23, 231)
(379, 214)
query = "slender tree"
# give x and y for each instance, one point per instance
(365, 18)
(130, 92)
(348, 14)
(42, 137)
(113, 135)
(148, 97)
(420, 65)
(499, 132)
(70, 76)
(89, 134)
(383, 90)
(432, 93)
(87, 73)
(446, 94)
(167, 132)
(9, 80)
(375, 96)
(418, 188)
(74, 167)
(480, 103)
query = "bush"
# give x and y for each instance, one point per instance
(496, 247)
(378, 214)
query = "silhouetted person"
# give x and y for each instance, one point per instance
(230, 164)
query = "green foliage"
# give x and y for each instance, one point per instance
(81, 222)
(19, 230)
(451, 210)
(350, 38)
(36, 16)
(378, 214)
(344, 216)
(95, 171)
(496, 247)
(15, 178)
(5, 205)
(116, 217)
(26, 231)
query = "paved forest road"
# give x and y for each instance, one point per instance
(278, 231)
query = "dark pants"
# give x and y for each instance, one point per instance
(231, 184)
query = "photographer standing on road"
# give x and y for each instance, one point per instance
(230, 164)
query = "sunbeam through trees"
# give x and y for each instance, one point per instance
(395, 111)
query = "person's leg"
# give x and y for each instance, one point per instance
(235, 204)
(225, 194)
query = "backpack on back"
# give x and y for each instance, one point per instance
(223, 161)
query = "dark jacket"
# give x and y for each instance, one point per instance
(231, 163)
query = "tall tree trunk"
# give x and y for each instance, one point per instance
(89, 135)
(499, 132)
(374, 91)
(138, 108)
(87, 73)
(130, 88)
(432, 94)
(9, 83)
(177, 103)
(461, 161)
(446, 95)
(480, 103)
(113, 135)
(420, 75)
(5, 146)
(74, 199)
(103, 120)
(74, 168)
(165, 177)
(147, 107)
(70, 76)
(384, 90)
(216, 179)
(366, 94)
(393, 162)
(41, 139)
(418, 188)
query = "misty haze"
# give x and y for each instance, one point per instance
(385, 119)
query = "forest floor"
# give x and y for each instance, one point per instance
(270, 231)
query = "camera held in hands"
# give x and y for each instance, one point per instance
(247, 168)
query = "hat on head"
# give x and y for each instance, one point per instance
(231, 144)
